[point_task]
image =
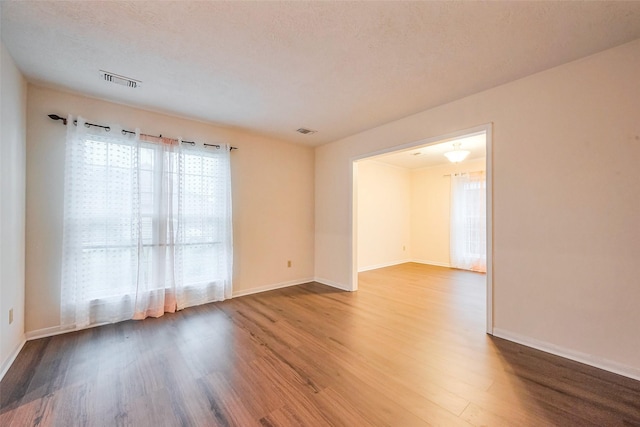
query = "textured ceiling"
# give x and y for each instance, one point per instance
(272, 67)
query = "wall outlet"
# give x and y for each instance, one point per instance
(10, 315)
(289, 264)
(404, 248)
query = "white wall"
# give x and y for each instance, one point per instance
(273, 198)
(13, 93)
(566, 200)
(384, 215)
(430, 210)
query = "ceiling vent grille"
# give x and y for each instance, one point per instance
(120, 80)
(306, 131)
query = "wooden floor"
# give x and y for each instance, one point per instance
(407, 349)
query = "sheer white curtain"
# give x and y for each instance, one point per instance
(468, 221)
(147, 226)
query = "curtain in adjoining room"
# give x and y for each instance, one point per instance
(468, 245)
(147, 226)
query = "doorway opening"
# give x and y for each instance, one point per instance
(405, 200)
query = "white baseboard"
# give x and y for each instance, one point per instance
(57, 330)
(53, 330)
(587, 359)
(6, 364)
(272, 287)
(437, 264)
(383, 265)
(332, 284)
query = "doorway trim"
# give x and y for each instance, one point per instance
(488, 130)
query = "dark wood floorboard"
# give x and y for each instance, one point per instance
(407, 349)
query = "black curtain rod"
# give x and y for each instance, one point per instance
(124, 132)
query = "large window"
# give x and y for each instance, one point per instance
(147, 227)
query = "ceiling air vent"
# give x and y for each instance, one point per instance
(306, 131)
(118, 79)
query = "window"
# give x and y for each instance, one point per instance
(147, 227)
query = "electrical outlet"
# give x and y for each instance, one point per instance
(289, 264)
(10, 315)
(404, 248)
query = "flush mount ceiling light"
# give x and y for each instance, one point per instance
(457, 155)
(120, 80)
(306, 131)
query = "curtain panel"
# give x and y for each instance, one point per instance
(147, 226)
(468, 238)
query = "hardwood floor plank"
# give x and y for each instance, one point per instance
(407, 349)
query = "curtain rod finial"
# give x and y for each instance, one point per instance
(57, 117)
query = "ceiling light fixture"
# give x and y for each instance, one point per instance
(118, 79)
(457, 155)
